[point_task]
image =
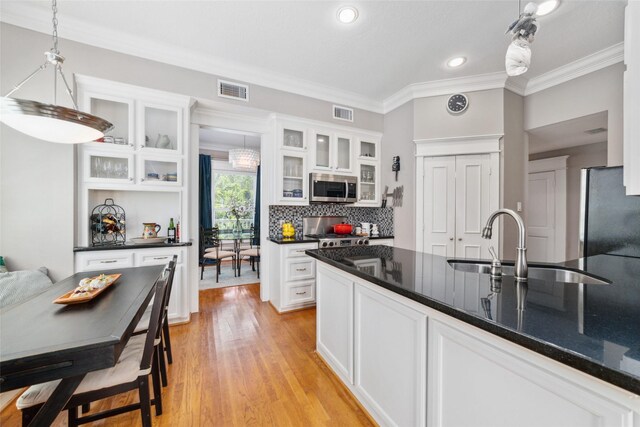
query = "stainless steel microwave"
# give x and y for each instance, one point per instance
(328, 188)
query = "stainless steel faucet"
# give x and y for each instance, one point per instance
(521, 260)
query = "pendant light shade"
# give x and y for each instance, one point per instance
(244, 159)
(51, 122)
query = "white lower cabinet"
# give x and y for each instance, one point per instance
(389, 358)
(410, 365)
(103, 260)
(294, 277)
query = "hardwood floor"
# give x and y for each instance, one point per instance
(240, 363)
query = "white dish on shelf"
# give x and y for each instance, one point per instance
(142, 240)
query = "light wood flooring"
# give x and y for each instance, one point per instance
(240, 363)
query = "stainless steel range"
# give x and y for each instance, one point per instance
(321, 228)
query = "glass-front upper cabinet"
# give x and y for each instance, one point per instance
(158, 170)
(294, 178)
(368, 183)
(118, 111)
(368, 149)
(343, 153)
(160, 128)
(322, 150)
(104, 167)
(293, 138)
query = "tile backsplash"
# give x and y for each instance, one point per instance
(381, 216)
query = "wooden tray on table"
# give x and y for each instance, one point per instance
(68, 297)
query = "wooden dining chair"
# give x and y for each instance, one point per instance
(211, 253)
(252, 254)
(131, 372)
(165, 338)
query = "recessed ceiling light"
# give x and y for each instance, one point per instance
(456, 62)
(347, 14)
(547, 7)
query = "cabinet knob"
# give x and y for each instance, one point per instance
(130, 179)
(459, 239)
(451, 238)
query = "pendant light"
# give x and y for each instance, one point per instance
(51, 122)
(244, 158)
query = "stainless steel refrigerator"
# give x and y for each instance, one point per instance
(610, 220)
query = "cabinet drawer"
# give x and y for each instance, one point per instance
(104, 260)
(300, 269)
(156, 258)
(296, 251)
(300, 293)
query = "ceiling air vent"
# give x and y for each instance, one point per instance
(595, 131)
(343, 113)
(233, 90)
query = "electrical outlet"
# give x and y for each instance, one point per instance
(519, 206)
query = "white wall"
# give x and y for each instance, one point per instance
(583, 156)
(592, 93)
(37, 206)
(398, 141)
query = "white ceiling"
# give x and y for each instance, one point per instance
(569, 133)
(391, 45)
(224, 140)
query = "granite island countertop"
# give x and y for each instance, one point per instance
(592, 328)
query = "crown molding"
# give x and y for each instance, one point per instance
(445, 87)
(590, 63)
(36, 19)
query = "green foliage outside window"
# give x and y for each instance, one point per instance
(233, 198)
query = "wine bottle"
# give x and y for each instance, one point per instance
(171, 232)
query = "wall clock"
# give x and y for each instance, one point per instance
(457, 103)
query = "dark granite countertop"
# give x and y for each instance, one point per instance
(592, 328)
(381, 237)
(285, 241)
(129, 246)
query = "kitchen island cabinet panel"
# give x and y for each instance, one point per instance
(500, 386)
(390, 358)
(335, 322)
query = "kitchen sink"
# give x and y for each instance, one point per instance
(548, 274)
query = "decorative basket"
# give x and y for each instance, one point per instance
(107, 224)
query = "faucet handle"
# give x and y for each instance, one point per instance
(492, 251)
(496, 265)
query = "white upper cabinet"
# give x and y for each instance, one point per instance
(307, 146)
(146, 145)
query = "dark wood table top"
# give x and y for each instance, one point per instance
(41, 341)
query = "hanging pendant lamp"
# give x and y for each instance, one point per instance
(244, 158)
(51, 122)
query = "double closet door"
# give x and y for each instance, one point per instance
(457, 202)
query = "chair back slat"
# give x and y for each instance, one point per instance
(167, 294)
(156, 315)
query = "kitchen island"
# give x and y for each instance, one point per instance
(419, 343)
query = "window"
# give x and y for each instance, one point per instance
(232, 189)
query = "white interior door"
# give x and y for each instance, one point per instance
(439, 205)
(541, 232)
(473, 196)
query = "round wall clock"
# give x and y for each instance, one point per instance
(457, 103)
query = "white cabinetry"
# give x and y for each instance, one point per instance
(334, 326)
(631, 99)
(410, 365)
(294, 276)
(104, 260)
(306, 146)
(389, 358)
(473, 370)
(380, 242)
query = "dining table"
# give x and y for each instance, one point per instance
(41, 341)
(237, 237)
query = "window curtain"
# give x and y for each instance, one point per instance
(256, 211)
(206, 213)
